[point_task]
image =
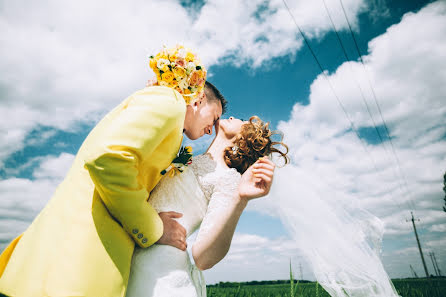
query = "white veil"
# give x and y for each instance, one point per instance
(341, 241)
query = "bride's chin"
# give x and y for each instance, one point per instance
(223, 125)
(219, 131)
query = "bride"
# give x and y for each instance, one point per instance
(213, 192)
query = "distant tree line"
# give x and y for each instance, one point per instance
(282, 282)
(255, 283)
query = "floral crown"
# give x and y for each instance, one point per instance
(180, 69)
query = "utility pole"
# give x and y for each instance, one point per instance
(413, 271)
(436, 264)
(433, 263)
(419, 245)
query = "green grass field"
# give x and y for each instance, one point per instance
(405, 287)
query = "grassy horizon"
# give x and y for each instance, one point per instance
(435, 287)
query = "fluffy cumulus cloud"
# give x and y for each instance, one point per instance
(67, 63)
(22, 199)
(406, 66)
(253, 257)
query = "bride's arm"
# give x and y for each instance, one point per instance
(218, 226)
(216, 231)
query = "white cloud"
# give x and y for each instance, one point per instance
(65, 63)
(407, 67)
(254, 257)
(22, 199)
(438, 228)
(54, 168)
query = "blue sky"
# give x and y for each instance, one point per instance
(61, 77)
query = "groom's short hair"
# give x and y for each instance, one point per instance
(213, 94)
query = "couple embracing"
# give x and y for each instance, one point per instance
(118, 223)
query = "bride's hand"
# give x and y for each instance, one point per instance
(257, 179)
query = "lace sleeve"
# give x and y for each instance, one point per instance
(225, 186)
(218, 203)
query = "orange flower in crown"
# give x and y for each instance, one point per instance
(179, 69)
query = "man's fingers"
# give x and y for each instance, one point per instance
(174, 214)
(171, 214)
(180, 228)
(181, 232)
(182, 245)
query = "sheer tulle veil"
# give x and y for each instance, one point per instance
(339, 239)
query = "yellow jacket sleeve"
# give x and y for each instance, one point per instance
(114, 168)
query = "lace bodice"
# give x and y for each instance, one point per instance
(190, 192)
(199, 193)
(213, 177)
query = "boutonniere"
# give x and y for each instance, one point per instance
(179, 164)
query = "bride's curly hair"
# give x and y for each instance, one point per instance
(253, 142)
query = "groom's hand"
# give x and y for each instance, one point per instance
(256, 181)
(174, 234)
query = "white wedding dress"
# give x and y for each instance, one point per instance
(199, 193)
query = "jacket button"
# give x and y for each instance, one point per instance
(140, 235)
(135, 231)
(144, 240)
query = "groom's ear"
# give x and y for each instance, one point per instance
(201, 100)
(198, 102)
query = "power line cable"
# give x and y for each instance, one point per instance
(384, 123)
(351, 68)
(331, 87)
(377, 105)
(334, 93)
(347, 59)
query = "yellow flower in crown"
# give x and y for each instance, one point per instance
(180, 69)
(167, 77)
(190, 57)
(179, 72)
(152, 64)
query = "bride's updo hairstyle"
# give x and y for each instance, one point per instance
(253, 142)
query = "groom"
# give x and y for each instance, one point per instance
(81, 244)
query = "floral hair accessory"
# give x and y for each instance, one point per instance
(179, 164)
(179, 69)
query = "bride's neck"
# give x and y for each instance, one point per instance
(217, 148)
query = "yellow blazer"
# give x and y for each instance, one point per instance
(82, 242)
